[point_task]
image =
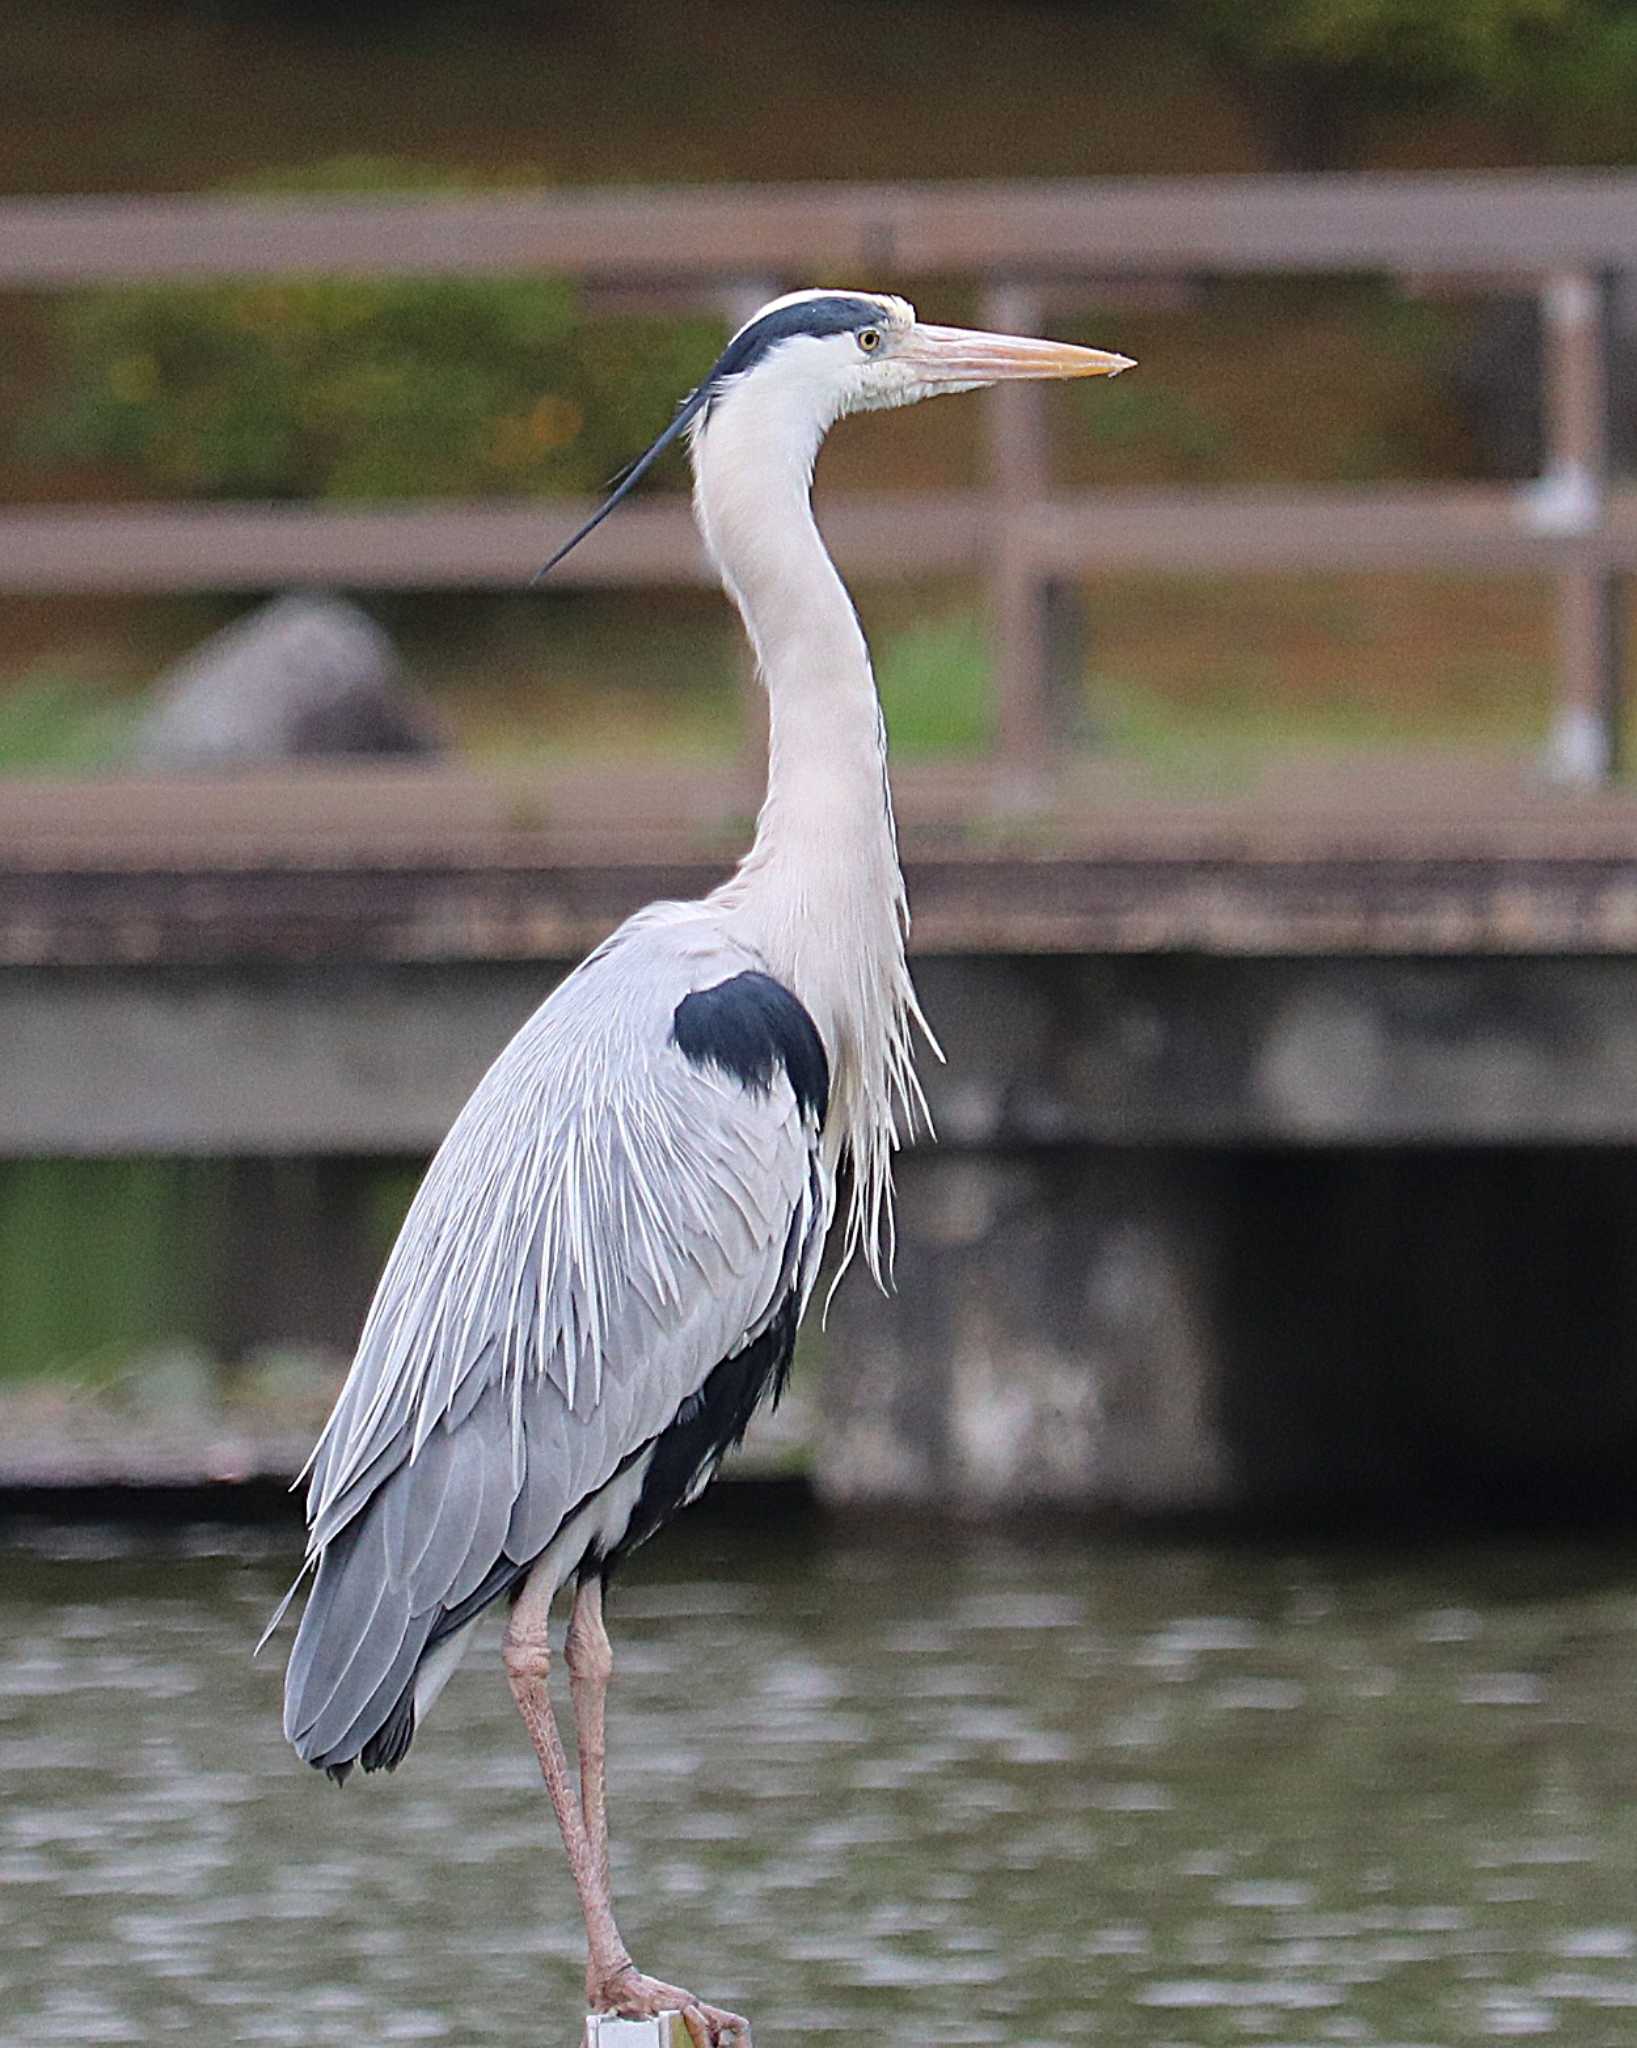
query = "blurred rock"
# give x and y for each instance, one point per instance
(307, 675)
(175, 1384)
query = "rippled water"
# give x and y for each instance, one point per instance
(923, 1789)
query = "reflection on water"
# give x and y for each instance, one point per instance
(924, 1789)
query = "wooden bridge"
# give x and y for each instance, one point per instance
(324, 962)
(1243, 1098)
(1285, 1145)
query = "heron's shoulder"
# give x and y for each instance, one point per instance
(719, 1004)
(652, 962)
(670, 1000)
(693, 936)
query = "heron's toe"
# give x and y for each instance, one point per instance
(711, 2027)
(636, 1997)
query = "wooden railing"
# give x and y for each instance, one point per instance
(1028, 247)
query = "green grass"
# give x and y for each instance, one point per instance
(1231, 744)
(1190, 678)
(934, 681)
(62, 723)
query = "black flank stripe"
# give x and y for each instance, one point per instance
(708, 1424)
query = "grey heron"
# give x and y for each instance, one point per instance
(602, 1273)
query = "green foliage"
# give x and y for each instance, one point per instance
(362, 388)
(1318, 68)
(1486, 45)
(52, 721)
(1162, 420)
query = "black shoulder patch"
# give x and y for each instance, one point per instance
(748, 1026)
(836, 313)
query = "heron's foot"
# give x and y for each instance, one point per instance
(636, 1997)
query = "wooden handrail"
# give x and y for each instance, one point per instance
(495, 544)
(1502, 223)
(1562, 235)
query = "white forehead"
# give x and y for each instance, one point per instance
(895, 312)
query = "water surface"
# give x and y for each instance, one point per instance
(920, 1789)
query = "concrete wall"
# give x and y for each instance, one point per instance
(1178, 1329)
(1207, 1233)
(1051, 1340)
(1198, 1231)
(1190, 1049)
(1041, 1049)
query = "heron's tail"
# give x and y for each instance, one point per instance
(349, 1692)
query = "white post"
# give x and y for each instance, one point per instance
(608, 2030)
(1570, 503)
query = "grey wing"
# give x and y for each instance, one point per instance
(607, 1220)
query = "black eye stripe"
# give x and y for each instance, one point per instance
(836, 313)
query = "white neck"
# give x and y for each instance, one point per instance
(820, 893)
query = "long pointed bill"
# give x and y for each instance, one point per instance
(962, 355)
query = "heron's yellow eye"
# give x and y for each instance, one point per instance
(869, 339)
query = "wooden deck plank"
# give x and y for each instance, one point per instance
(419, 865)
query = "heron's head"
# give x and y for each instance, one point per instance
(835, 352)
(810, 357)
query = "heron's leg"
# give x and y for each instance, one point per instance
(590, 1658)
(613, 1984)
(526, 1649)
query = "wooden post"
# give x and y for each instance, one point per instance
(1571, 501)
(1018, 622)
(1064, 643)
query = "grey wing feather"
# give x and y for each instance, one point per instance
(360, 1643)
(604, 1223)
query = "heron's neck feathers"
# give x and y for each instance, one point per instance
(820, 893)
